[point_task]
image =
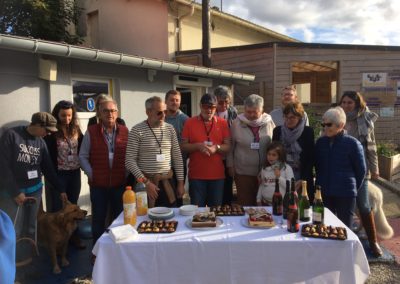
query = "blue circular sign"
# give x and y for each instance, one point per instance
(90, 104)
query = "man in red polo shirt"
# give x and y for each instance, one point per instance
(206, 138)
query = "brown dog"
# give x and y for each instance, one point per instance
(55, 230)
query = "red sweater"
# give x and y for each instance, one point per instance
(103, 176)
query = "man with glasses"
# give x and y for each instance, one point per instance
(206, 138)
(102, 158)
(152, 150)
(289, 95)
(23, 159)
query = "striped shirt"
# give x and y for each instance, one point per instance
(143, 148)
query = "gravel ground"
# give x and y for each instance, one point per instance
(384, 273)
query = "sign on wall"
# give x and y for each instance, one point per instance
(381, 89)
(374, 80)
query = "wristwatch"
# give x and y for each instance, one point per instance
(218, 147)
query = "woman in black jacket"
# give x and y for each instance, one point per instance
(298, 140)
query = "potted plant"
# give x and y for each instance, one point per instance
(389, 161)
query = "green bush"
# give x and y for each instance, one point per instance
(387, 149)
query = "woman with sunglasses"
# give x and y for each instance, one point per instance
(298, 140)
(340, 166)
(360, 125)
(64, 148)
(251, 134)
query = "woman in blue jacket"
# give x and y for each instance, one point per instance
(340, 165)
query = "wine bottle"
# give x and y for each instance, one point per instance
(293, 191)
(293, 215)
(304, 204)
(277, 200)
(286, 198)
(318, 207)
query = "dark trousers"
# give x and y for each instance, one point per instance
(71, 182)
(228, 187)
(343, 207)
(101, 199)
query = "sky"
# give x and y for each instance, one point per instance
(375, 22)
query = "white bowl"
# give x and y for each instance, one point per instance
(188, 210)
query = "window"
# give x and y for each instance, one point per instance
(85, 93)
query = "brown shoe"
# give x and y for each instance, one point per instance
(369, 226)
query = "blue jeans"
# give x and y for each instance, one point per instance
(206, 192)
(343, 207)
(363, 198)
(103, 198)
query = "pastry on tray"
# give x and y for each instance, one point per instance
(204, 219)
(260, 218)
(322, 231)
(228, 210)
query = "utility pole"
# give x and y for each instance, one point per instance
(206, 49)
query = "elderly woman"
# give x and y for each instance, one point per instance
(289, 95)
(340, 165)
(251, 133)
(228, 112)
(360, 125)
(298, 140)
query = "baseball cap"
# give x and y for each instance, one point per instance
(208, 99)
(46, 120)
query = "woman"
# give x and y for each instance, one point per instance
(64, 148)
(228, 112)
(251, 133)
(340, 165)
(298, 140)
(360, 125)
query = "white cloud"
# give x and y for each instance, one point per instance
(330, 21)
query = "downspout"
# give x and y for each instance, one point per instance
(179, 26)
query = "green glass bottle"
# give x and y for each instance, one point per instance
(304, 204)
(318, 207)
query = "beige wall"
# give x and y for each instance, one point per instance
(136, 27)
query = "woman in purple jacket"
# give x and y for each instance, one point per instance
(340, 166)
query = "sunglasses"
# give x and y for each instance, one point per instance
(160, 113)
(329, 124)
(109, 110)
(205, 106)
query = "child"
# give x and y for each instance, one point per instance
(275, 168)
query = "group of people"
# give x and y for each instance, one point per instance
(253, 149)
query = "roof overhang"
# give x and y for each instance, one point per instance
(90, 54)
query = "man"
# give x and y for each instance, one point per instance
(102, 158)
(228, 112)
(23, 159)
(95, 119)
(175, 117)
(289, 95)
(206, 138)
(152, 148)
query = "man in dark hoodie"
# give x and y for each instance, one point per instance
(23, 159)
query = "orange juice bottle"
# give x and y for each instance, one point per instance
(129, 202)
(141, 200)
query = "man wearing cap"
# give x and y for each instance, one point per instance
(206, 138)
(23, 159)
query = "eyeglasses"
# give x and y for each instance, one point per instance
(293, 117)
(65, 104)
(160, 113)
(109, 110)
(329, 124)
(205, 106)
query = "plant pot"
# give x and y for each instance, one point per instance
(389, 167)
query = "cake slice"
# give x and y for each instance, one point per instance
(204, 219)
(261, 220)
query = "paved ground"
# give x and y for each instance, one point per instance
(383, 270)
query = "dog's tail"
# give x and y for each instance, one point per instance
(383, 229)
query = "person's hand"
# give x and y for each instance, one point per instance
(212, 149)
(180, 189)
(20, 199)
(231, 171)
(374, 175)
(258, 203)
(277, 173)
(152, 191)
(204, 149)
(63, 197)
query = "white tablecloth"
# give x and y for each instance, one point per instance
(231, 253)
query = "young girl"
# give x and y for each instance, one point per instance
(275, 168)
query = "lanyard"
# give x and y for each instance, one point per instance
(256, 133)
(110, 138)
(205, 127)
(155, 137)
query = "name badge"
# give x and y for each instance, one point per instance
(111, 156)
(255, 146)
(32, 174)
(160, 158)
(208, 143)
(70, 158)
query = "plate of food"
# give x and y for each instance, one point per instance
(157, 227)
(204, 221)
(259, 218)
(228, 210)
(245, 223)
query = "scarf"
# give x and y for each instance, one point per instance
(289, 140)
(262, 120)
(365, 123)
